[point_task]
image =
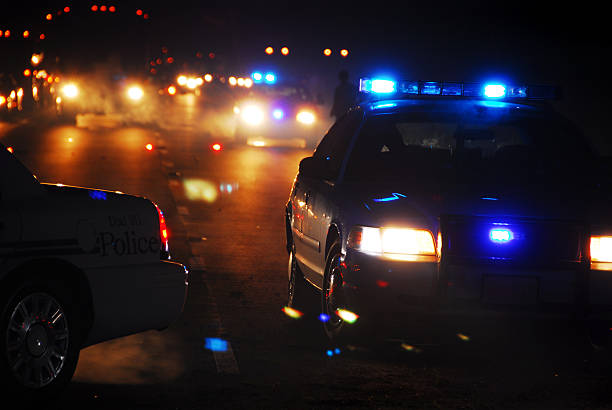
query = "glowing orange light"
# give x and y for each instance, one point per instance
(292, 313)
(216, 147)
(10, 149)
(208, 78)
(49, 16)
(284, 51)
(347, 315)
(463, 337)
(27, 72)
(232, 81)
(269, 50)
(112, 9)
(7, 33)
(327, 51)
(94, 8)
(0, 33)
(26, 34)
(102, 8)
(172, 90)
(149, 147)
(42, 36)
(139, 12)
(50, 79)
(344, 52)
(2, 99)
(66, 9)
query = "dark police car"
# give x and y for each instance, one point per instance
(451, 198)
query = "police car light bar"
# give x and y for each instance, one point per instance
(386, 87)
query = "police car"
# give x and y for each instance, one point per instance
(451, 198)
(277, 113)
(77, 267)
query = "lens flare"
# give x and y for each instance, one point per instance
(292, 313)
(463, 337)
(347, 315)
(215, 344)
(200, 190)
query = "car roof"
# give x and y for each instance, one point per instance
(445, 104)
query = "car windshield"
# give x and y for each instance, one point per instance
(487, 145)
(288, 92)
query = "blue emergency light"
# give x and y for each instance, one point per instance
(257, 77)
(501, 235)
(270, 78)
(385, 87)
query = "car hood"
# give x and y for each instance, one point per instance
(389, 203)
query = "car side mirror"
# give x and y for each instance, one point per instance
(309, 167)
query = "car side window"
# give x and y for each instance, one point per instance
(332, 149)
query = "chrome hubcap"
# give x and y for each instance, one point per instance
(37, 340)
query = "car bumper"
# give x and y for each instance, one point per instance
(380, 287)
(134, 298)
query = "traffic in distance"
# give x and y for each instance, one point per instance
(80, 266)
(450, 199)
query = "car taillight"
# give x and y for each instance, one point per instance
(163, 235)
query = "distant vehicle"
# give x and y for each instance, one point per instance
(78, 266)
(451, 199)
(273, 114)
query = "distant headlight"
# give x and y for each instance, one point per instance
(305, 117)
(135, 93)
(70, 91)
(252, 114)
(397, 243)
(601, 248)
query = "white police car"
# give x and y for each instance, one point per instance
(450, 198)
(77, 266)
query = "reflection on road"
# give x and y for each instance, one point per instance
(143, 358)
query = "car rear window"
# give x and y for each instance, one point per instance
(488, 145)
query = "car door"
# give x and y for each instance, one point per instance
(317, 191)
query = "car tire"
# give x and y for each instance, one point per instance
(297, 287)
(334, 297)
(39, 340)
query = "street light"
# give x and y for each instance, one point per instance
(36, 59)
(269, 50)
(284, 51)
(344, 52)
(327, 52)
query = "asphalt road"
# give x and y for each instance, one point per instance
(225, 214)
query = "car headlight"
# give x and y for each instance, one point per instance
(252, 114)
(70, 91)
(135, 93)
(397, 243)
(601, 248)
(305, 117)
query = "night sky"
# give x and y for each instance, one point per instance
(522, 42)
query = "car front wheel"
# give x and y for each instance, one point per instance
(333, 297)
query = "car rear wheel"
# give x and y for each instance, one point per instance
(39, 343)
